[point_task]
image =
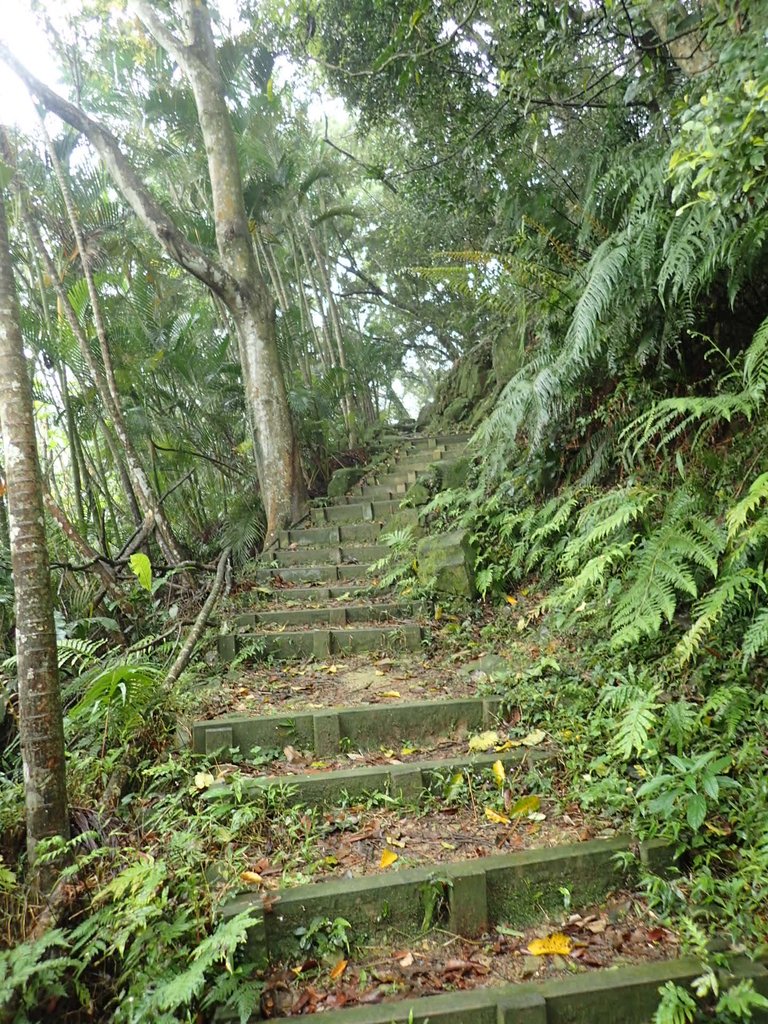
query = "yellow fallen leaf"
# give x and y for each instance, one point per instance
(395, 842)
(251, 877)
(333, 669)
(553, 945)
(495, 817)
(509, 599)
(391, 693)
(203, 780)
(498, 773)
(407, 751)
(484, 741)
(506, 745)
(438, 613)
(388, 858)
(378, 672)
(525, 805)
(447, 846)
(338, 970)
(534, 738)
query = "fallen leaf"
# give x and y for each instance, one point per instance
(203, 780)
(388, 858)
(534, 738)
(333, 669)
(290, 753)
(251, 877)
(597, 927)
(391, 693)
(495, 817)
(499, 774)
(484, 741)
(338, 970)
(525, 805)
(448, 846)
(399, 843)
(407, 960)
(509, 599)
(556, 944)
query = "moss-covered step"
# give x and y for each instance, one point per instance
(323, 643)
(619, 995)
(372, 492)
(320, 536)
(409, 781)
(365, 726)
(311, 573)
(517, 889)
(354, 510)
(349, 554)
(316, 594)
(338, 615)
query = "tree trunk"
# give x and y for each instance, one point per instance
(234, 277)
(40, 716)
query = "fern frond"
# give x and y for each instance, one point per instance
(756, 637)
(730, 592)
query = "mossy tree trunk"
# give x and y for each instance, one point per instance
(40, 715)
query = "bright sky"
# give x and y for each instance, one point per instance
(20, 32)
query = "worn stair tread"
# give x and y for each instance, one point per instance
(323, 729)
(318, 615)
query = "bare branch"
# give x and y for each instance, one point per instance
(135, 192)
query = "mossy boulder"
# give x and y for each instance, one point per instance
(446, 562)
(343, 479)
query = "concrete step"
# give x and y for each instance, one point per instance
(318, 594)
(362, 727)
(618, 995)
(321, 536)
(311, 573)
(516, 890)
(348, 555)
(411, 782)
(323, 643)
(339, 615)
(354, 511)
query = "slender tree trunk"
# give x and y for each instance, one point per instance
(234, 277)
(40, 715)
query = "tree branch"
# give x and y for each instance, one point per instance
(151, 214)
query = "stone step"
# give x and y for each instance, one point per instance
(348, 555)
(354, 511)
(311, 573)
(362, 727)
(321, 536)
(516, 890)
(423, 441)
(411, 781)
(323, 643)
(619, 995)
(371, 492)
(317, 594)
(341, 615)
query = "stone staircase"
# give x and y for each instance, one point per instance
(320, 568)
(324, 564)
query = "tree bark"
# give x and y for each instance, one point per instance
(40, 715)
